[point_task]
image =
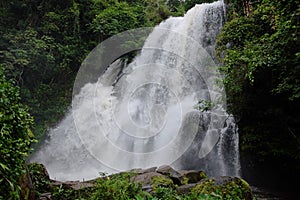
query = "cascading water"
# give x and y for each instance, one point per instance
(165, 107)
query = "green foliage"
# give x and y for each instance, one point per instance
(233, 189)
(16, 137)
(62, 192)
(39, 177)
(264, 40)
(166, 193)
(204, 105)
(30, 60)
(156, 11)
(118, 18)
(120, 186)
(43, 56)
(176, 7)
(188, 4)
(184, 181)
(44, 42)
(116, 187)
(161, 181)
(262, 71)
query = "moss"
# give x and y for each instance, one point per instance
(245, 187)
(205, 187)
(203, 175)
(184, 181)
(233, 188)
(162, 181)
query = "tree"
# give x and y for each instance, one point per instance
(16, 137)
(118, 18)
(262, 79)
(188, 4)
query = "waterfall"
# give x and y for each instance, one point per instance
(167, 106)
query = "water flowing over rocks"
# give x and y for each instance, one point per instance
(166, 107)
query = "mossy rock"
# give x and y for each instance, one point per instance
(162, 181)
(191, 176)
(224, 188)
(145, 179)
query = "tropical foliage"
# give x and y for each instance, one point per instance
(43, 42)
(16, 137)
(262, 77)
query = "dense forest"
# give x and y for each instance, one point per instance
(262, 79)
(43, 43)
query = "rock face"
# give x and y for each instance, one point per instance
(193, 176)
(190, 182)
(166, 175)
(185, 189)
(146, 178)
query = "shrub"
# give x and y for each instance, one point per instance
(16, 137)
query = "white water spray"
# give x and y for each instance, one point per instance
(144, 115)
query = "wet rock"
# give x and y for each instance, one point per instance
(143, 171)
(192, 176)
(146, 178)
(166, 170)
(45, 196)
(152, 180)
(147, 188)
(223, 180)
(185, 189)
(170, 172)
(162, 181)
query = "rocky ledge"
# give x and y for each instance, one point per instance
(184, 184)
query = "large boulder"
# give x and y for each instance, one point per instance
(146, 178)
(167, 170)
(143, 171)
(185, 189)
(150, 181)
